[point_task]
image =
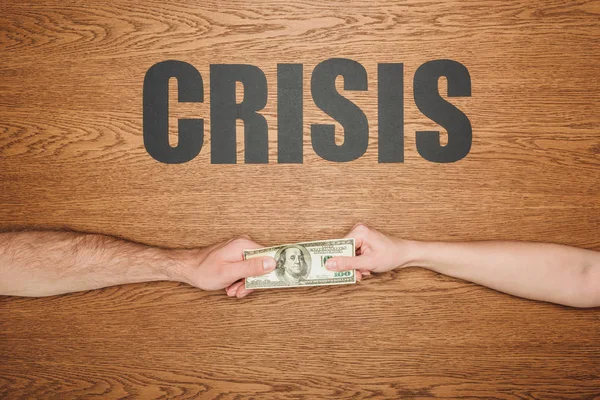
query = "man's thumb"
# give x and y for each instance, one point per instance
(344, 263)
(253, 267)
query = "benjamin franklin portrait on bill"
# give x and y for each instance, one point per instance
(293, 264)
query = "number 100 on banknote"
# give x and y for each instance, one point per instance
(303, 264)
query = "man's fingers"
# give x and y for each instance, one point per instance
(243, 292)
(235, 285)
(233, 288)
(238, 290)
(253, 267)
(343, 263)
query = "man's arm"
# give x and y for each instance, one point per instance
(538, 271)
(49, 263)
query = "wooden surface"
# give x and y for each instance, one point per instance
(72, 155)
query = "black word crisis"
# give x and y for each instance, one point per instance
(225, 110)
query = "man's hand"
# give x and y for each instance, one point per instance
(221, 265)
(375, 252)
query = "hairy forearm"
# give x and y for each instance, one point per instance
(49, 263)
(539, 271)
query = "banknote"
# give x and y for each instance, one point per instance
(303, 264)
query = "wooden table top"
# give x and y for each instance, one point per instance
(72, 156)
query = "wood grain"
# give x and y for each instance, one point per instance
(72, 155)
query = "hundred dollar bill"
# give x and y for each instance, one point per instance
(303, 264)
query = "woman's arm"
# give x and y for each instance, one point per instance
(539, 271)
